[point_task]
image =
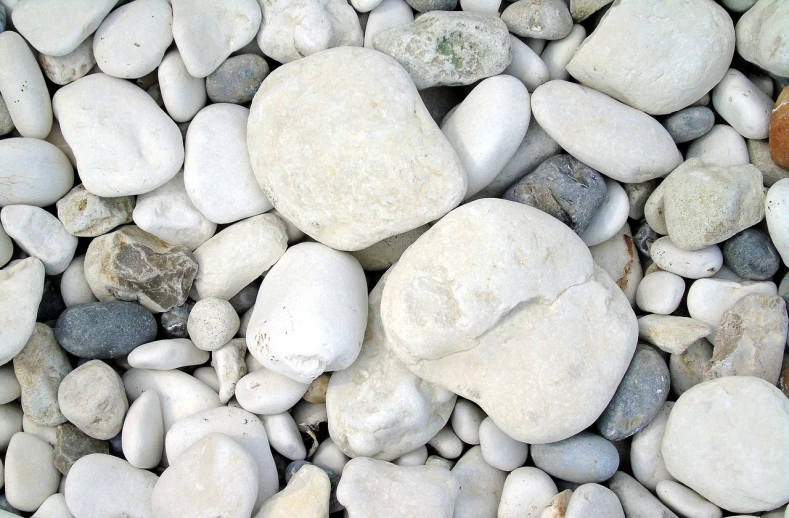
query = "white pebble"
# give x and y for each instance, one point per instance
(526, 65)
(329, 456)
(54, 507)
(646, 458)
(212, 323)
(527, 491)
(447, 443)
(466, 419)
(163, 355)
(776, 212)
(47, 434)
(23, 88)
(208, 376)
(143, 432)
(499, 449)
(610, 217)
(743, 105)
(63, 70)
(481, 6)
(284, 436)
(30, 474)
(721, 146)
(558, 53)
(386, 15)
(418, 457)
(183, 94)
(228, 361)
(660, 292)
(9, 386)
(41, 235)
(74, 287)
(708, 299)
(685, 501)
(266, 392)
(691, 265)
(33, 172)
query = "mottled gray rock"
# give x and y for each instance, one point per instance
(237, 79)
(689, 123)
(639, 396)
(638, 194)
(174, 321)
(540, 19)
(751, 255)
(687, 369)
(92, 397)
(104, 329)
(131, 264)
(245, 299)
(86, 215)
(759, 155)
(565, 188)
(644, 238)
(424, 6)
(582, 459)
(448, 48)
(39, 368)
(71, 444)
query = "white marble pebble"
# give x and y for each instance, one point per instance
(776, 212)
(743, 105)
(143, 432)
(708, 299)
(526, 65)
(183, 94)
(212, 323)
(660, 292)
(447, 443)
(558, 53)
(499, 449)
(418, 457)
(228, 361)
(54, 507)
(6, 247)
(686, 502)
(695, 264)
(23, 88)
(329, 456)
(721, 146)
(9, 386)
(252, 364)
(527, 491)
(10, 423)
(436, 460)
(33, 172)
(763, 83)
(481, 485)
(646, 458)
(21, 289)
(62, 70)
(466, 419)
(267, 392)
(47, 434)
(363, 7)
(41, 235)
(74, 287)
(208, 376)
(610, 217)
(487, 127)
(163, 355)
(386, 15)
(283, 435)
(481, 6)
(30, 474)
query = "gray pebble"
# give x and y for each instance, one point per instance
(6, 124)
(237, 79)
(644, 238)
(689, 123)
(636, 500)
(783, 288)
(245, 299)
(637, 195)
(424, 6)
(582, 458)
(174, 321)
(563, 187)
(543, 19)
(751, 255)
(71, 444)
(759, 153)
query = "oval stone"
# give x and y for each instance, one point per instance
(33, 172)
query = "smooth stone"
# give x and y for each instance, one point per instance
(74, 287)
(217, 173)
(328, 455)
(424, 6)
(54, 507)
(334, 480)
(417, 457)
(694, 264)
(212, 323)
(284, 436)
(721, 146)
(646, 458)
(139, 147)
(689, 123)
(40, 368)
(637, 195)
(102, 485)
(409, 489)
(480, 484)
(266, 392)
(84, 214)
(34, 19)
(594, 500)
(131, 41)
(466, 419)
(618, 256)
(287, 35)
(545, 20)
(582, 458)
(448, 48)
(526, 65)
(167, 354)
(610, 216)
(30, 474)
(214, 477)
(11, 419)
(759, 155)
(376, 406)
(131, 264)
(751, 339)
(244, 300)
(685, 501)
(447, 443)
(701, 436)
(385, 253)
(143, 432)
(563, 187)
(56, 138)
(777, 214)
(738, 6)
(307, 494)
(41, 235)
(93, 398)
(363, 7)
(751, 255)
(180, 395)
(208, 31)
(208, 376)
(708, 299)
(21, 287)
(316, 392)
(526, 492)
(228, 361)
(638, 398)
(183, 94)
(63, 70)
(10, 389)
(760, 38)
(169, 214)
(297, 184)
(660, 292)
(388, 14)
(22, 84)
(500, 450)
(71, 444)
(484, 137)
(671, 334)
(687, 369)
(779, 130)
(239, 425)
(636, 500)
(237, 79)
(6, 247)
(630, 147)
(558, 53)
(742, 104)
(238, 255)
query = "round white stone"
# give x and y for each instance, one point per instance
(594, 500)
(558, 53)
(720, 146)
(481, 6)
(527, 491)
(329, 456)
(212, 323)
(143, 432)
(660, 292)
(33, 172)
(386, 15)
(30, 474)
(22, 86)
(689, 264)
(743, 105)
(447, 443)
(776, 212)
(417, 457)
(610, 217)
(526, 65)
(646, 458)
(183, 95)
(466, 419)
(499, 449)
(41, 235)
(709, 299)
(74, 287)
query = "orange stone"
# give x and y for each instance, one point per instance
(779, 130)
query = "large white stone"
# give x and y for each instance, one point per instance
(731, 421)
(55, 27)
(761, 36)
(511, 335)
(23, 88)
(21, 288)
(136, 149)
(33, 172)
(310, 313)
(657, 57)
(41, 235)
(776, 213)
(217, 171)
(660, 292)
(617, 140)
(381, 140)
(743, 105)
(183, 95)
(30, 474)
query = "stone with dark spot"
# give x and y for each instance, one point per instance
(105, 329)
(563, 187)
(71, 444)
(237, 79)
(644, 238)
(638, 398)
(52, 304)
(424, 6)
(174, 320)
(751, 255)
(131, 264)
(689, 123)
(86, 215)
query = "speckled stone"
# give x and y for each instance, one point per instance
(583, 458)
(640, 395)
(237, 79)
(174, 321)
(104, 329)
(689, 123)
(751, 255)
(71, 444)
(644, 238)
(334, 479)
(543, 19)
(86, 215)
(563, 187)
(637, 195)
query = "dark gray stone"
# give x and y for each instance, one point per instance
(245, 299)
(334, 479)
(237, 79)
(638, 398)
(440, 99)
(174, 321)
(424, 6)
(751, 255)
(644, 238)
(71, 444)
(689, 123)
(105, 329)
(582, 459)
(52, 304)
(563, 187)
(637, 195)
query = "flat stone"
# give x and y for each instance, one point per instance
(480, 485)
(23, 87)
(41, 235)
(691, 264)
(21, 287)
(499, 449)
(582, 458)
(72, 444)
(526, 492)
(708, 299)
(594, 500)
(92, 397)
(636, 500)
(130, 264)
(721, 146)
(387, 252)
(760, 39)
(448, 48)
(307, 494)
(33, 172)
(646, 458)
(618, 256)
(545, 20)
(779, 130)
(86, 215)
(297, 183)
(689, 123)
(30, 475)
(237, 79)
(526, 64)
(751, 255)
(671, 334)
(63, 70)
(759, 155)
(167, 354)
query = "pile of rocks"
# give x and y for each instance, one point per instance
(394, 258)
